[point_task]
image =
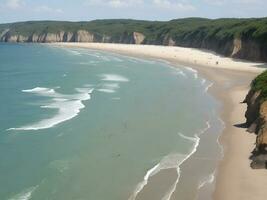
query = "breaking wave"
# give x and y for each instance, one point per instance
(172, 161)
(25, 195)
(67, 106)
(114, 77)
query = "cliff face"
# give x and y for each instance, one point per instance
(138, 38)
(248, 49)
(237, 38)
(83, 36)
(79, 36)
(256, 116)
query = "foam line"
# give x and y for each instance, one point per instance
(109, 87)
(67, 106)
(195, 72)
(114, 77)
(196, 141)
(170, 162)
(142, 184)
(191, 69)
(74, 52)
(25, 195)
(208, 180)
(208, 87)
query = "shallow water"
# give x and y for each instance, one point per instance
(83, 124)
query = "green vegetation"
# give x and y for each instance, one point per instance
(217, 35)
(180, 29)
(260, 84)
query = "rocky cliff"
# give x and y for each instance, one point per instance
(249, 49)
(256, 122)
(237, 38)
(236, 47)
(78, 36)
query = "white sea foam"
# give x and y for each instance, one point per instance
(68, 106)
(94, 54)
(203, 81)
(207, 180)
(196, 141)
(191, 69)
(74, 52)
(40, 90)
(117, 59)
(25, 195)
(182, 73)
(168, 162)
(106, 90)
(114, 77)
(218, 139)
(178, 72)
(142, 184)
(88, 63)
(100, 57)
(109, 87)
(205, 129)
(195, 72)
(172, 161)
(168, 195)
(208, 87)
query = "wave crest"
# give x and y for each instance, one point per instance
(68, 106)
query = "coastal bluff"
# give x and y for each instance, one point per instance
(77, 36)
(236, 38)
(256, 119)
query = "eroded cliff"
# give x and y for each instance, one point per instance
(78, 36)
(256, 122)
(237, 38)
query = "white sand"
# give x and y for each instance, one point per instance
(188, 56)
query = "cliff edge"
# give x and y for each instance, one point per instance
(236, 38)
(256, 122)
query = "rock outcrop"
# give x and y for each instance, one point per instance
(168, 41)
(237, 46)
(256, 116)
(248, 49)
(138, 38)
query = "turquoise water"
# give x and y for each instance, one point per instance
(83, 124)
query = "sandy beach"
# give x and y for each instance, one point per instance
(235, 180)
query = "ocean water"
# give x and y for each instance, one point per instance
(90, 125)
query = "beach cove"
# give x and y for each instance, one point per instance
(231, 79)
(125, 122)
(79, 122)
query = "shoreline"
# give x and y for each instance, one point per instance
(231, 78)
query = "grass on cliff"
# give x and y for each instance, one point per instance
(180, 29)
(260, 84)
